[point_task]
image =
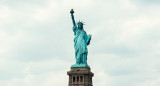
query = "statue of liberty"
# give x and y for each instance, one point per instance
(81, 40)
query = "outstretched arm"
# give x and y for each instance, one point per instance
(72, 16)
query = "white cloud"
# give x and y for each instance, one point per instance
(36, 42)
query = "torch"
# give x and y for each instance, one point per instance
(72, 11)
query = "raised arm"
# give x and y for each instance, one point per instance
(72, 16)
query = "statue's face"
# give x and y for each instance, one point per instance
(80, 26)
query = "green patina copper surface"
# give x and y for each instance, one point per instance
(81, 40)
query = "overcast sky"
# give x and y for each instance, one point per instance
(37, 48)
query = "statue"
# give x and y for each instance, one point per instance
(81, 40)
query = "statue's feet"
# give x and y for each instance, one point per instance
(80, 65)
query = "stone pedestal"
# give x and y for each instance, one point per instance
(80, 76)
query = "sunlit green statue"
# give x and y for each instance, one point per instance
(81, 40)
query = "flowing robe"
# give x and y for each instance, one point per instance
(81, 40)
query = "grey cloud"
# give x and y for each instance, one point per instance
(146, 2)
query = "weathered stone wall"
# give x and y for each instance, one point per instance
(80, 76)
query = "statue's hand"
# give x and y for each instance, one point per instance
(90, 35)
(88, 39)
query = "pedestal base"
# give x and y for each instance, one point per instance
(80, 76)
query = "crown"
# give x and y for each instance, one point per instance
(80, 22)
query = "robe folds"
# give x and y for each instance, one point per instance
(81, 40)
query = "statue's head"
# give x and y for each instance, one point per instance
(80, 25)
